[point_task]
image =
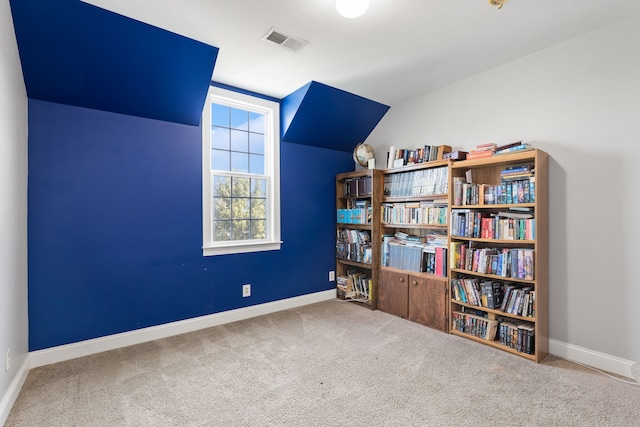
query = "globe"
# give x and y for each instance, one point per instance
(362, 154)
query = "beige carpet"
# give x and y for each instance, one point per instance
(326, 364)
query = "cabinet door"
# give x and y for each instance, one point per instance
(428, 301)
(393, 293)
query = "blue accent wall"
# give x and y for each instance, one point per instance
(77, 54)
(115, 226)
(324, 116)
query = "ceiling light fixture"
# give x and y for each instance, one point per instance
(498, 3)
(352, 8)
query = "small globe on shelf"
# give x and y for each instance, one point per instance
(362, 154)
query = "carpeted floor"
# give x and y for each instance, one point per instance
(326, 364)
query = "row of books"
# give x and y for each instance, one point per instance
(519, 336)
(402, 256)
(354, 252)
(353, 236)
(414, 253)
(354, 245)
(357, 187)
(476, 224)
(354, 215)
(422, 212)
(504, 262)
(424, 182)
(435, 260)
(475, 325)
(355, 285)
(398, 157)
(510, 191)
(491, 149)
(470, 290)
(510, 298)
(519, 300)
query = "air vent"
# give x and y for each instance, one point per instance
(284, 39)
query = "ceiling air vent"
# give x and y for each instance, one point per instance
(284, 39)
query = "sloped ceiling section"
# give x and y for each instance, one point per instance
(77, 54)
(323, 116)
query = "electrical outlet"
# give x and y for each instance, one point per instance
(246, 290)
(7, 360)
(332, 276)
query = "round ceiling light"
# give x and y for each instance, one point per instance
(352, 8)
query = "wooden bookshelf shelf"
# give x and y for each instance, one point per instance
(343, 225)
(443, 227)
(491, 276)
(495, 241)
(494, 311)
(354, 263)
(494, 344)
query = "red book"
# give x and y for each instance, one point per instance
(441, 262)
(479, 154)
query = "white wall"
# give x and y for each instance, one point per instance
(580, 102)
(13, 213)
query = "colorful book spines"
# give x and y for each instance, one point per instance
(503, 262)
(352, 216)
(478, 225)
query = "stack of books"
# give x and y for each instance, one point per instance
(482, 150)
(491, 149)
(512, 148)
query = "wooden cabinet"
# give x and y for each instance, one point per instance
(393, 292)
(428, 301)
(417, 297)
(499, 272)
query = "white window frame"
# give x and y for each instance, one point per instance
(271, 111)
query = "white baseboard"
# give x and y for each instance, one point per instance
(13, 391)
(111, 342)
(585, 356)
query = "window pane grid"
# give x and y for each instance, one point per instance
(239, 208)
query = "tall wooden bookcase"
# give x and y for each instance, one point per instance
(415, 202)
(355, 190)
(495, 244)
(436, 300)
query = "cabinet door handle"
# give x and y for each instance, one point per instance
(415, 283)
(402, 279)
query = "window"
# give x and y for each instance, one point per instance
(240, 173)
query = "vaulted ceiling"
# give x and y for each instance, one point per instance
(398, 49)
(155, 58)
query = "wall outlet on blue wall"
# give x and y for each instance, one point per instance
(332, 276)
(246, 290)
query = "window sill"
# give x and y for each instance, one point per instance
(241, 248)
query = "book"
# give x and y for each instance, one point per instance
(479, 154)
(455, 155)
(514, 214)
(517, 148)
(528, 264)
(488, 146)
(391, 156)
(441, 261)
(505, 146)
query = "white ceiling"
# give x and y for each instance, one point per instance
(397, 50)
